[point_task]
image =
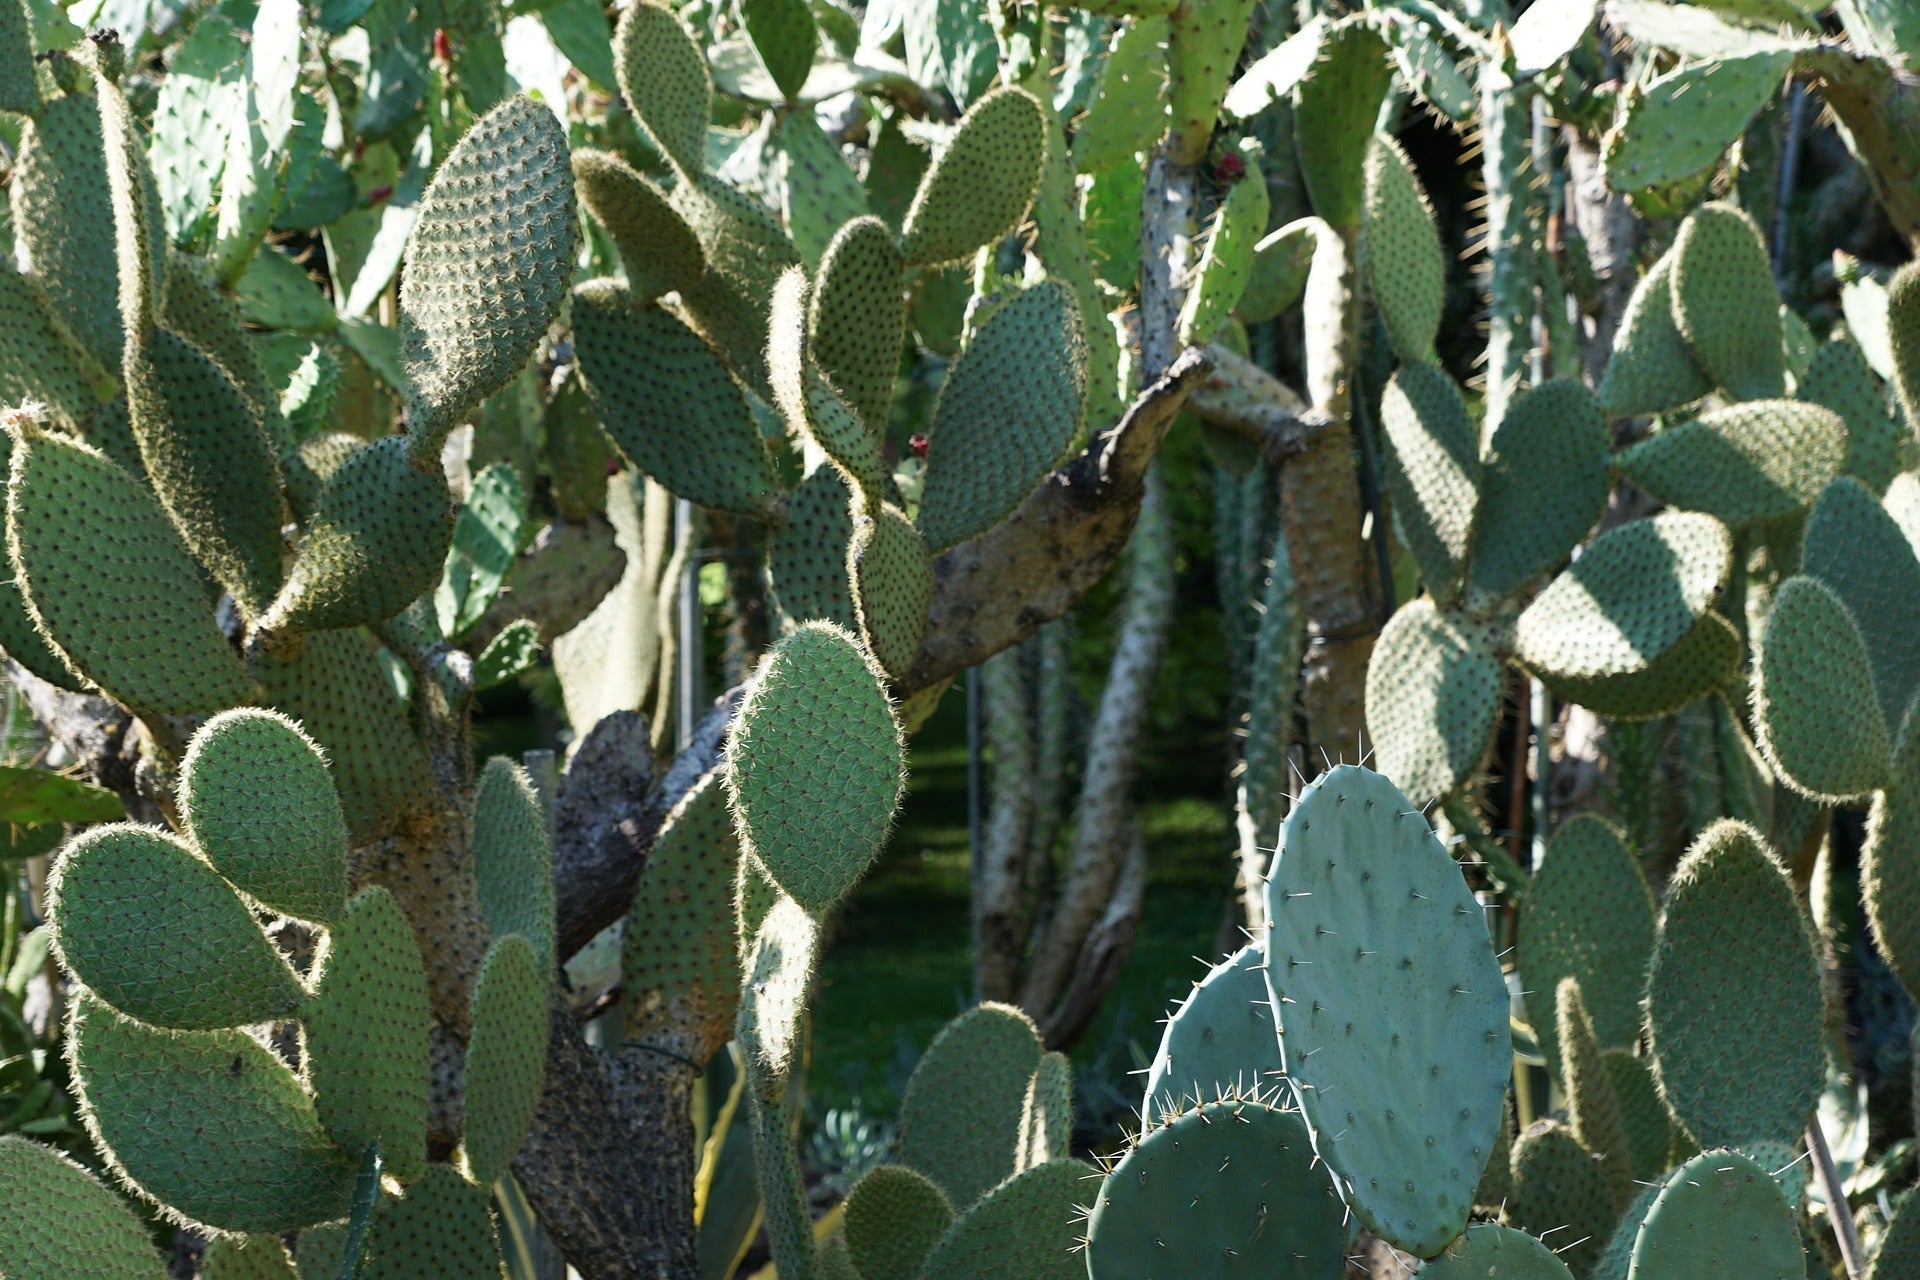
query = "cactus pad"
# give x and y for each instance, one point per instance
(376, 541)
(1651, 370)
(1616, 1260)
(513, 859)
(441, 1227)
(196, 309)
(156, 934)
(247, 1258)
(1593, 1110)
(1642, 1114)
(18, 90)
(892, 577)
(746, 252)
(487, 265)
(981, 185)
(1632, 597)
(1489, 1251)
(1363, 903)
(1547, 480)
(1705, 659)
(680, 967)
(209, 461)
(257, 800)
(1046, 1121)
(63, 215)
(960, 1118)
(1814, 704)
(1227, 262)
(1854, 546)
(366, 1036)
(1890, 863)
(110, 583)
(1027, 1228)
(36, 361)
(858, 318)
(1737, 1062)
(1903, 337)
(1433, 471)
(1196, 1197)
(1683, 121)
(342, 697)
(1009, 408)
(773, 999)
(1558, 1187)
(208, 1123)
(1719, 1214)
(1840, 378)
(664, 76)
(1336, 110)
(61, 1222)
(1220, 1043)
(1203, 47)
(1129, 108)
(1724, 302)
(506, 1058)
(1899, 1251)
(1587, 916)
(894, 1217)
(807, 556)
(1401, 249)
(657, 247)
(669, 403)
(815, 736)
(1756, 461)
(812, 408)
(1433, 699)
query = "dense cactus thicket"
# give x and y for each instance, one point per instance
(361, 358)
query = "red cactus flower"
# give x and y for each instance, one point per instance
(1231, 168)
(918, 444)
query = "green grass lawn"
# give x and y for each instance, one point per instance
(898, 965)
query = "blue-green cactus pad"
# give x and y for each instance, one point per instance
(1720, 1214)
(1489, 1251)
(1393, 1011)
(1221, 1043)
(1229, 1191)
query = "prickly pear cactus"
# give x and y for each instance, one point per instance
(275, 1147)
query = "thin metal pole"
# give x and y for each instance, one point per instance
(1836, 1197)
(691, 649)
(974, 851)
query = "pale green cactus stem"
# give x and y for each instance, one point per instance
(1504, 128)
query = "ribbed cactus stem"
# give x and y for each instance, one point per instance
(999, 890)
(1275, 683)
(1505, 133)
(1054, 701)
(1094, 864)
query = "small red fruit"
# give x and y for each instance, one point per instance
(442, 47)
(918, 444)
(1231, 168)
